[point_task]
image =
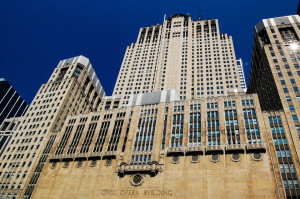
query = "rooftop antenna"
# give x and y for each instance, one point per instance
(199, 13)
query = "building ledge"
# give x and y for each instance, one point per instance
(234, 148)
(95, 155)
(214, 149)
(153, 168)
(68, 156)
(175, 151)
(109, 154)
(56, 158)
(256, 147)
(194, 150)
(81, 156)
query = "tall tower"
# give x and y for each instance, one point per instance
(158, 145)
(73, 88)
(274, 76)
(192, 57)
(275, 63)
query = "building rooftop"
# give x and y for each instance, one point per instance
(276, 22)
(84, 61)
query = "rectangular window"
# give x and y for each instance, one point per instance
(278, 154)
(292, 108)
(292, 168)
(296, 89)
(286, 168)
(281, 168)
(296, 184)
(295, 118)
(291, 185)
(285, 184)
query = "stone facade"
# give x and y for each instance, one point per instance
(194, 169)
(205, 138)
(73, 88)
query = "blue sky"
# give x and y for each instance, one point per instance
(36, 34)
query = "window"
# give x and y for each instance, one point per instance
(292, 108)
(291, 185)
(283, 153)
(292, 168)
(281, 168)
(288, 99)
(278, 154)
(280, 141)
(296, 184)
(296, 89)
(282, 82)
(285, 184)
(285, 90)
(274, 120)
(295, 118)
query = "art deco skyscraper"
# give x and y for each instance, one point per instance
(158, 145)
(192, 57)
(275, 63)
(72, 88)
(161, 144)
(274, 76)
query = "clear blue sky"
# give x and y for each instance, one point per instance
(36, 34)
